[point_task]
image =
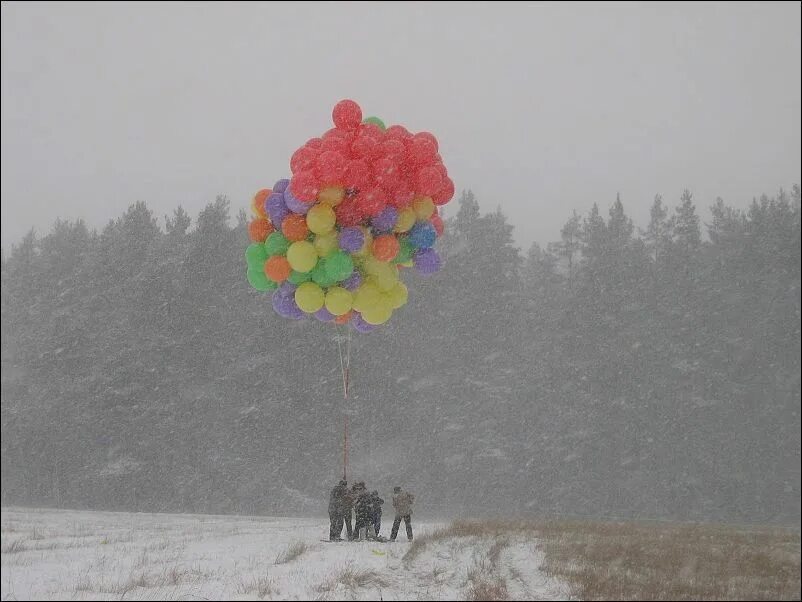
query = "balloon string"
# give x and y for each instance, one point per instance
(347, 361)
(343, 369)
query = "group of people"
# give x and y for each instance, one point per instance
(366, 508)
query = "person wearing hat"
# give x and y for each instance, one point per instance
(402, 503)
(337, 508)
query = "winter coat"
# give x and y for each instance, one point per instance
(362, 508)
(402, 502)
(337, 500)
(376, 506)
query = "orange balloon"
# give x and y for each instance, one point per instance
(343, 319)
(294, 227)
(277, 268)
(259, 229)
(385, 247)
(258, 202)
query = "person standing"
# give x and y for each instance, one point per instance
(402, 503)
(336, 513)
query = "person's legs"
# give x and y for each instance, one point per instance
(377, 525)
(396, 524)
(334, 532)
(348, 528)
(408, 521)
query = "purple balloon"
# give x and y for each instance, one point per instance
(385, 221)
(427, 261)
(351, 239)
(285, 306)
(324, 315)
(296, 205)
(281, 185)
(359, 323)
(276, 209)
(287, 289)
(353, 281)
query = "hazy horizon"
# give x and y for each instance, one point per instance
(540, 108)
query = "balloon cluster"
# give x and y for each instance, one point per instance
(361, 205)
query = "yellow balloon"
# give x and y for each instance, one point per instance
(398, 295)
(320, 218)
(309, 297)
(424, 207)
(371, 265)
(326, 243)
(386, 276)
(379, 313)
(366, 296)
(302, 256)
(339, 300)
(333, 195)
(406, 219)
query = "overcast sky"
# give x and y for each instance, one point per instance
(539, 108)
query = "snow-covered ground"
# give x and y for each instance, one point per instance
(57, 555)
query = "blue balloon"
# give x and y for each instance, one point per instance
(422, 236)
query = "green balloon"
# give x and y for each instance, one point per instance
(276, 244)
(405, 251)
(259, 281)
(256, 255)
(299, 277)
(339, 265)
(321, 276)
(375, 121)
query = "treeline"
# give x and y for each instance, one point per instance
(616, 372)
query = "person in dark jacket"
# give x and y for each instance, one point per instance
(362, 512)
(376, 512)
(336, 514)
(402, 503)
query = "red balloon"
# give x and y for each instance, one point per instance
(394, 149)
(397, 132)
(365, 147)
(347, 213)
(304, 186)
(370, 129)
(347, 115)
(428, 136)
(371, 202)
(303, 159)
(336, 144)
(330, 167)
(358, 174)
(438, 224)
(441, 168)
(420, 151)
(429, 181)
(402, 196)
(387, 173)
(314, 142)
(445, 194)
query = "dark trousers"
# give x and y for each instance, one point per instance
(397, 523)
(348, 528)
(336, 520)
(377, 524)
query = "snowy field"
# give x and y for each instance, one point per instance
(72, 555)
